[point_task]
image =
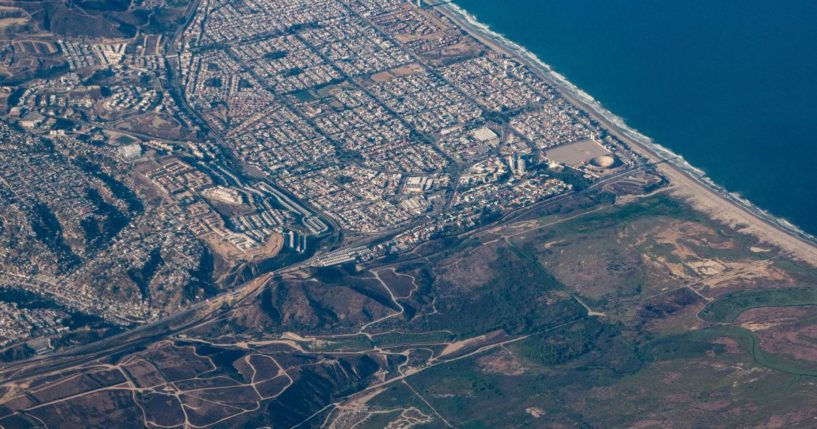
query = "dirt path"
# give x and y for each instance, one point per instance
(703, 197)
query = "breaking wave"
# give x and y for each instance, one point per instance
(661, 151)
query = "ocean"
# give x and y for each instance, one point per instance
(729, 85)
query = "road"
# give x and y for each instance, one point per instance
(205, 312)
(695, 186)
(189, 318)
(210, 310)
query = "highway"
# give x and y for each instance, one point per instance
(211, 310)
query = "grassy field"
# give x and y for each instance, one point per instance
(618, 316)
(710, 343)
(729, 307)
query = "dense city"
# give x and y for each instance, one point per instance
(366, 214)
(266, 133)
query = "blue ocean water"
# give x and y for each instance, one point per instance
(730, 85)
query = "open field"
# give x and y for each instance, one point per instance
(576, 154)
(504, 330)
(730, 307)
(686, 183)
(344, 214)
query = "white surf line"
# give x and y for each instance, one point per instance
(473, 25)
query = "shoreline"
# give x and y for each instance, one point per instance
(686, 181)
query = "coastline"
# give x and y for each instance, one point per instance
(686, 182)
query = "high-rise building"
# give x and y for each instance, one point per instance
(516, 164)
(291, 237)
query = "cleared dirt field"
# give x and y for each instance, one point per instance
(578, 153)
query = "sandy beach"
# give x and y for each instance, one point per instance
(686, 182)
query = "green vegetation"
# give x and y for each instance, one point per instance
(275, 55)
(705, 343)
(214, 82)
(729, 307)
(568, 343)
(586, 344)
(522, 297)
(659, 205)
(107, 222)
(48, 229)
(397, 397)
(692, 344)
(344, 180)
(798, 270)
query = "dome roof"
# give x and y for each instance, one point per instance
(604, 161)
